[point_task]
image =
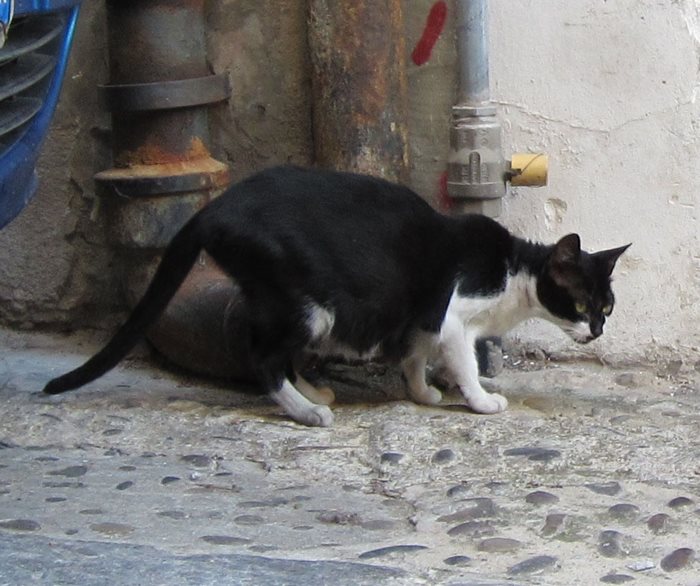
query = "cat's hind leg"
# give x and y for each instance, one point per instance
(299, 408)
(318, 395)
(458, 354)
(413, 368)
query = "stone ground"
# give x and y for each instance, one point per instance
(148, 477)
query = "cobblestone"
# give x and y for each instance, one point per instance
(589, 477)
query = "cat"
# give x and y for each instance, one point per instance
(340, 263)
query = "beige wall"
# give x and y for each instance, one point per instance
(611, 91)
(608, 89)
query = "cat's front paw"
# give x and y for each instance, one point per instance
(317, 416)
(488, 403)
(427, 396)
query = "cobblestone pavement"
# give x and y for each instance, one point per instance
(146, 477)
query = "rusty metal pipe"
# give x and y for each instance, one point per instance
(359, 86)
(160, 86)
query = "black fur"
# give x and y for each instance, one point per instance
(375, 252)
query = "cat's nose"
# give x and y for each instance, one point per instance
(596, 329)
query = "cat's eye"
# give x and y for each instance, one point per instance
(607, 310)
(580, 308)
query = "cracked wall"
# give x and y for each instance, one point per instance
(611, 91)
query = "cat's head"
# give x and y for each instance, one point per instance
(574, 288)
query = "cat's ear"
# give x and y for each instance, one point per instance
(567, 250)
(608, 258)
(566, 255)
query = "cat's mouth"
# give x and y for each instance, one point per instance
(580, 332)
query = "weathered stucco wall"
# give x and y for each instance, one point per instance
(262, 46)
(612, 92)
(609, 90)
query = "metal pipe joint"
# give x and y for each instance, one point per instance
(477, 171)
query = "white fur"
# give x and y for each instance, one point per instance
(579, 331)
(495, 315)
(319, 321)
(457, 354)
(469, 318)
(299, 408)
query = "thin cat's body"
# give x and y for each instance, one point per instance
(337, 263)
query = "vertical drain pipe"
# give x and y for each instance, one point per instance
(163, 173)
(359, 86)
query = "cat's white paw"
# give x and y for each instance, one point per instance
(428, 396)
(488, 403)
(317, 416)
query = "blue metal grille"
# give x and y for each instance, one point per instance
(26, 61)
(32, 65)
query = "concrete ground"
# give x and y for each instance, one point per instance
(147, 477)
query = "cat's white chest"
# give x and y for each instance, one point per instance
(494, 315)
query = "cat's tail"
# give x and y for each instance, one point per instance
(178, 259)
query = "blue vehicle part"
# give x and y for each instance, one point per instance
(7, 11)
(32, 66)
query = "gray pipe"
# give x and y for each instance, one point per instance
(475, 166)
(472, 52)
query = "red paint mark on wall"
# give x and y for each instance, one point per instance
(431, 33)
(444, 200)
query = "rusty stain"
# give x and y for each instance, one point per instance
(164, 174)
(155, 154)
(359, 86)
(219, 173)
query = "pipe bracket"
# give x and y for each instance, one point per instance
(166, 95)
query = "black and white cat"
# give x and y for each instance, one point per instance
(338, 263)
